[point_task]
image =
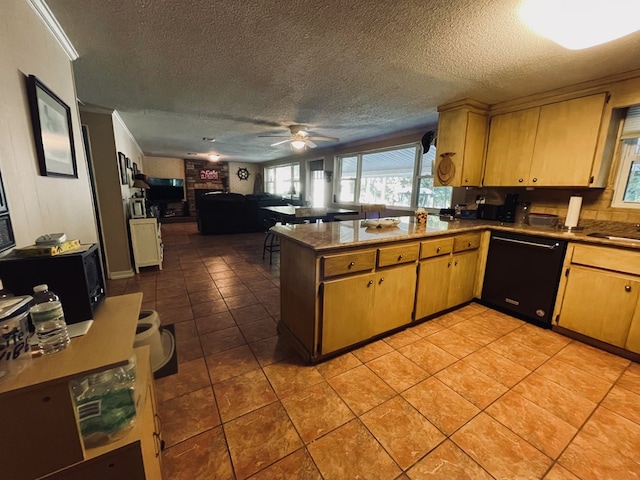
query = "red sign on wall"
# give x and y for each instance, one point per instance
(207, 174)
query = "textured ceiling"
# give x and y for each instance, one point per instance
(178, 71)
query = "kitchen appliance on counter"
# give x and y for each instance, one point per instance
(76, 277)
(488, 211)
(522, 274)
(508, 210)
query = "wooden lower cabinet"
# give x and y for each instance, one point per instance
(347, 311)
(433, 286)
(601, 295)
(447, 280)
(599, 304)
(463, 278)
(360, 307)
(394, 296)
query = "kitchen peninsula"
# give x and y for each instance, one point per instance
(344, 284)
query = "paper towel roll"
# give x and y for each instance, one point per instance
(573, 213)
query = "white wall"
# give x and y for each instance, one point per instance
(37, 204)
(242, 186)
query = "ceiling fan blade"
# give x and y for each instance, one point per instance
(324, 139)
(309, 143)
(280, 143)
(274, 136)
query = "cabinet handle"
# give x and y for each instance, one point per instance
(158, 423)
(468, 244)
(520, 180)
(627, 288)
(400, 257)
(448, 264)
(381, 280)
(466, 180)
(370, 283)
(534, 180)
(352, 264)
(438, 250)
(157, 444)
(455, 264)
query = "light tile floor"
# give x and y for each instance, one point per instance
(472, 394)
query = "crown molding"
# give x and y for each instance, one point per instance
(45, 14)
(118, 118)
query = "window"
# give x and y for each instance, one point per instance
(283, 180)
(316, 182)
(429, 196)
(627, 186)
(391, 177)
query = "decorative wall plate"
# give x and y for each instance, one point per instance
(243, 174)
(446, 168)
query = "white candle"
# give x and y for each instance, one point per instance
(573, 213)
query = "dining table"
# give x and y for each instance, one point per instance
(292, 214)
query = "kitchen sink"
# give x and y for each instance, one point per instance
(608, 236)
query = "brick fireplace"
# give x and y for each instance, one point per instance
(204, 175)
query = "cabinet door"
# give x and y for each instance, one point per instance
(476, 141)
(511, 140)
(433, 286)
(463, 278)
(566, 142)
(146, 243)
(633, 339)
(394, 297)
(347, 307)
(599, 304)
(462, 132)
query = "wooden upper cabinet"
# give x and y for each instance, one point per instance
(510, 150)
(462, 133)
(549, 146)
(566, 142)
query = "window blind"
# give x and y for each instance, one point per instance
(631, 127)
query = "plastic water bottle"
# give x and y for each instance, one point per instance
(48, 318)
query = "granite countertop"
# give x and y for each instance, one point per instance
(351, 233)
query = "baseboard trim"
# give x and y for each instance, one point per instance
(120, 275)
(621, 352)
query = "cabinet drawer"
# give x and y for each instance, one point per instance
(388, 256)
(333, 265)
(469, 241)
(615, 259)
(433, 248)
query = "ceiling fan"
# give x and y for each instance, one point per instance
(300, 138)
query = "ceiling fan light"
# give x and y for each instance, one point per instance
(214, 157)
(576, 24)
(298, 144)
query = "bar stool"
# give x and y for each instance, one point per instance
(271, 242)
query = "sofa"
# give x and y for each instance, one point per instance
(222, 213)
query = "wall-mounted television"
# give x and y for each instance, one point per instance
(165, 190)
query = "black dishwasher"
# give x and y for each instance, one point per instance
(522, 275)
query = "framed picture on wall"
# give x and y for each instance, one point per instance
(122, 166)
(3, 199)
(52, 131)
(7, 240)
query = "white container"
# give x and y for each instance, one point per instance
(15, 352)
(161, 342)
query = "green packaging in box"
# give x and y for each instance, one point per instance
(105, 403)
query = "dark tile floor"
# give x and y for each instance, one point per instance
(473, 394)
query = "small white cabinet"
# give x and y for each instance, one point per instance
(146, 241)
